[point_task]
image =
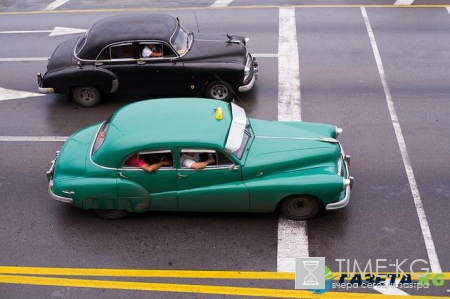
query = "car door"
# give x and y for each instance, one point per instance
(160, 75)
(120, 60)
(217, 187)
(161, 185)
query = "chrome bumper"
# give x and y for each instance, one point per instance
(43, 89)
(343, 202)
(249, 86)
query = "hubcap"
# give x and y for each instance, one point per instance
(219, 92)
(86, 95)
(300, 207)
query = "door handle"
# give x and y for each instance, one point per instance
(122, 175)
(141, 62)
(182, 175)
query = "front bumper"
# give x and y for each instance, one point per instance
(41, 89)
(344, 201)
(249, 86)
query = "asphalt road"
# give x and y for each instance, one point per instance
(340, 84)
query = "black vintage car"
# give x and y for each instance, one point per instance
(151, 54)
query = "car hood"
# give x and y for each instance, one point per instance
(292, 146)
(217, 48)
(62, 57)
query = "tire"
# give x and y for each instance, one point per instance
(112, 214)
(300, 207)
(86, 96)
(219, 90)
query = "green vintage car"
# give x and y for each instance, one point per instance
(258, 165)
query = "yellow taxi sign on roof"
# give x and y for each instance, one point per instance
(219, 113)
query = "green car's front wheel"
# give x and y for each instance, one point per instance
(112, 214)
(300, 207)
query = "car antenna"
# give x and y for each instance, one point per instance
(236, 96)
(198, 28)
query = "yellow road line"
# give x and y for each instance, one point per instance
(147, 273)
(162, 273)
(224, 7)
(186, 288)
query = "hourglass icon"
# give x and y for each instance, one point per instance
(310, 279)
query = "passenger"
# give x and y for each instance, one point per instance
(150, 50)
(192, 160)
(134, 161)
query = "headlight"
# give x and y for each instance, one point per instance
(246, 71)
(338, 131)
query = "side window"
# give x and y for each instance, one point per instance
(155, 50)
(148, 157)
(123, 51)
(188, 156)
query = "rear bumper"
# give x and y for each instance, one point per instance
(43, 89)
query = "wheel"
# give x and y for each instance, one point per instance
(112, 214)
(300, 207)
(86, 96)
(219, 90)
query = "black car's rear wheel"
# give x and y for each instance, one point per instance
(219, 90)
(86, 96)
(300, 207)
(112, 214)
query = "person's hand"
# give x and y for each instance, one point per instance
(210, 158)
(166, 162)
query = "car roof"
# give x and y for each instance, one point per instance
(127, 27)
(164, 123)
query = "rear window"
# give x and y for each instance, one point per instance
(101, 135)
(81, 43)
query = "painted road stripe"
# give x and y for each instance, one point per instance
(292, 235)
(56, 4)
(227, 7)
(23, 59)
(11, 94)
(448, 9)
(429, 243)
(203, 274)
(404, 2)
(185, 288)
(33, 139)
(221, 3)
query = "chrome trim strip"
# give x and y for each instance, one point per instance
(115, 85)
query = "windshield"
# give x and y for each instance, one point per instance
(245, 138)
(182, 40)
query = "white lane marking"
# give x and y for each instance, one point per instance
(25, 31)
(292, 235)
(33, 138)
(56, 4)
(54, 32)
(221, 3)
(288, 68)
(428, 238)
(11, 94)
(22, 59)
(448, 9)
(403, 2)
(265, 55)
